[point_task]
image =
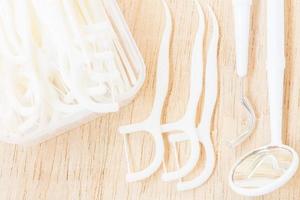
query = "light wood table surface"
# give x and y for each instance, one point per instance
(89, 163)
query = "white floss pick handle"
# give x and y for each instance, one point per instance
(210, 99)
(72, 63)
(122, 70)
(22, 93)
(96, 62)
(108, 63)
(152, 124)
(187, 125)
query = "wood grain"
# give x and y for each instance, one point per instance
(88, 162)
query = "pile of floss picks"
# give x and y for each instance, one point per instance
(185, 129)
(63, 62)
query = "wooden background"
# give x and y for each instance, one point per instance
(89, 163)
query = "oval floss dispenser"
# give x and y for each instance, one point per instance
(66, 63)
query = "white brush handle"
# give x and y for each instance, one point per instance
(242, 11)
(276, 66)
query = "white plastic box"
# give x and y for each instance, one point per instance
(67, 122)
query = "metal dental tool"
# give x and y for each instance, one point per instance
(270, 167)
(242, 13)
